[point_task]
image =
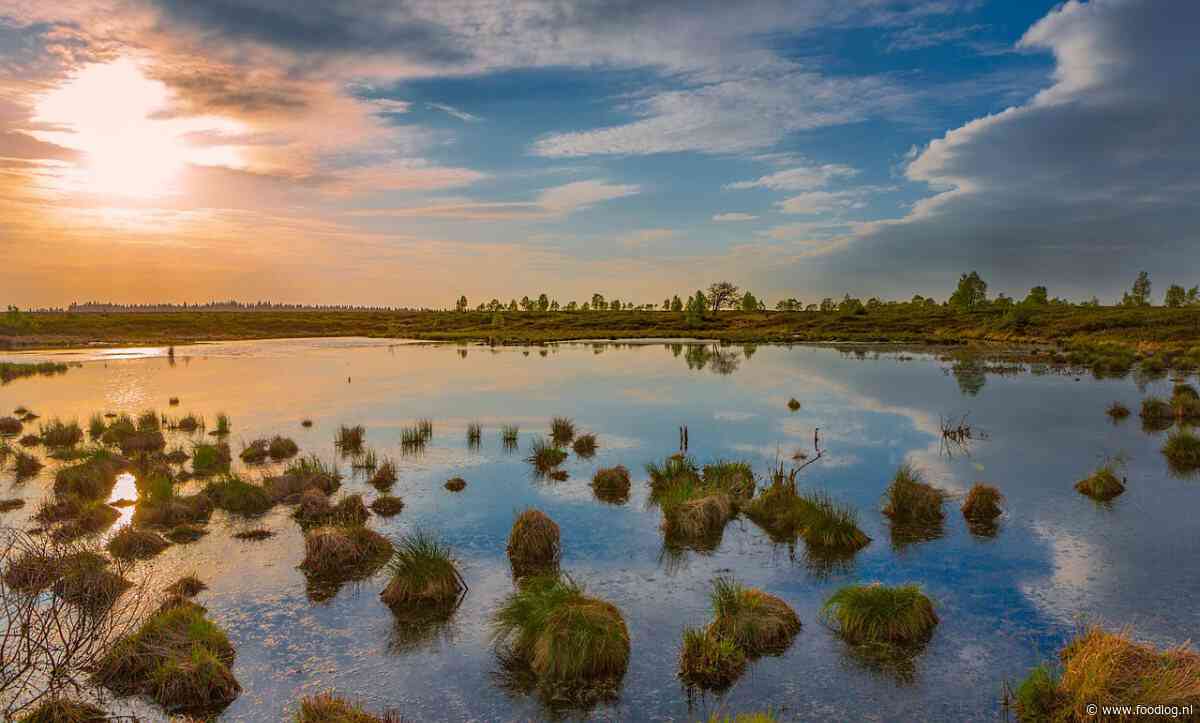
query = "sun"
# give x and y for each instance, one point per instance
(114, 116)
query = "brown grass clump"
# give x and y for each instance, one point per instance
(585, 445)
(387, 505)
(85, 581)
(178, 657)
(344, 552)
(1110, 669)
(1182, 451)
(26, 465)
(10, 505)
(331, 708)
(79, 517)
(186, 586)
(982, 506)
(59, 710)
(709, 661)
(562, 430)
(315, 509)
(10, 426)
(793, 404)
(909, 500)
(29, 440)
(611, 485)
(282, 448)
(697, 520)
(31, 571)
(131, 543)
(256, 452)
(258, 533)
(301, 474)
(456, 484)
(172, 510)
(1103, 484)
(142, 441)
(1116, 411)
(423, 574)
(533, 544)
(758, 622)
(185, 534)
(385, 475)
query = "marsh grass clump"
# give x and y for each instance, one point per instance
(735, 477)
(545, 456)
(159, 505)
(611, 485)
(331, 708)
(880, 614)
(909, 500)
(185, 533)
(26, 465)
(533, 544)
(585, 445)
(568, 640)
(1117, 411)
(60, 710)
(190, 422)
(1099, 667)
(509, 437)
(474, 434)
(757, 622)
(385, 475)
(281, 448)
(177, 456)
(315, 509)
(709, 661)
(10, 426)
(368, 460)
(237, 496)
(387, 505)
(97, 425)
(10, 505)
(350, 440)
(425, 427)
(341, 553)
(256, 452)
(85, 581)
(306, 423)
(1185, 403)
(676, 468)
(982, 507)
(210, 459)
(254, 535)
(422, 573)
(132, 543)
(57, 433)
(694, 516)
(186, 586)
(828, 527)
(793, 404)
(1182, 451)
(178, 658)
(224, 426)
(80, 517)
(148, 421)
(412, 440)
(562, 430)
(1103, 484)
(301, 474)
(92, 478)
(29, 440)
(456, 484)
(1156, 413)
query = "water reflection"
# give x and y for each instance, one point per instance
(1008, 595)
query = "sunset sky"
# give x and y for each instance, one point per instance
(403, 153)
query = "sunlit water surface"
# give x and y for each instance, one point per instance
(1005, 602)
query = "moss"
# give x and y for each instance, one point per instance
(533, 544)
(708, 660)
(331, 708)
(233, 494)
(60, 710)
(178, 657)
(585, 445)
(456, 484)
(387, 505)
(563, 635)
(131, 543)
(1103, 484)
(757, 622)
(875, 613)
(611, 485)
(562, 430)
(422, 573)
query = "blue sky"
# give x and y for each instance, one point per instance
(386, 152)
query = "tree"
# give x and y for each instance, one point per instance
(554, 305)
(1037, 296)
(971, 292)
(696, 307)
(572, 306)
(512, 305)
(851, 305)
(1139, 295)
(494, 305)
(828, 304)
(790, 304)
(543, 302)
(461, 304)
(614, 305)
(676, 303)
(722, 294)
(1176, 296)
(749, 303)
(598, 302)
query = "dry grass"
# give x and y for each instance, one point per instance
(877, 613)
(982, 504)
(545, 456)
(385, 475)
(387, 505)
(300, 475)
(332, 708)
(1102, 485)
(611, 485)
(254, 535)
(10, 505)
(186, 586)
(585, 445)
(131, 543)
(26, 465)
(344, 552)
(456, 484)
(10, 426)
(793, 404)
(708, 660)
(1182, 451)
(237, 496)
(93, 478)
(350, 439)
(59, 710)
(422, 573)
(909, 500)
(533, 544)
(757, 622)
(562, 430)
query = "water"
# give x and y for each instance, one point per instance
(1005, 602)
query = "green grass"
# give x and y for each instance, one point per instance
(674, 468)
(909, 500)
(1103, 484)
(331, 708)
(544, 455)
(210, 459)
(708, 660)
(422, 572)
(57, 433)
(1036, 697)
(235, 495)
(15, 370)
(1182, 450)
(757, 622)
(893, 615)
(563, 635)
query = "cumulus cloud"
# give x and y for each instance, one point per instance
(1089, 182)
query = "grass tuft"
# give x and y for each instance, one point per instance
(336, 554)
(186, 586)
(545, 456)
(793, 404)
(1103, 484)
(585, 445)
(757, 622)
(562, 430)
(385, 475)
(533, 544)
(456, 484)
(422, 572)
(909, 500)
(350, 439)
(331, 708)
(210, 459)
(237, 496)
(387, 505)
(611, 485)
(893, 615)
(474, 434)
(10, 426)
(982, 505)
(1182, 451)
(132, 543)
(60, 710)
(1116, 411)
(708, 660)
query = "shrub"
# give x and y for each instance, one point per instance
(910, 501)
(585, 445)
(178, 658)
(1182, 451)
(1102, 485)
(757, 622)
(708, 660)
(875, 613)
(562, 634)
(562, 430)
(533, 544)
(611, 484)
(422, 573)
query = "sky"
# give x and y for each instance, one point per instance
(392, 152)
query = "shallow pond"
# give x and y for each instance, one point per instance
(1006, 601)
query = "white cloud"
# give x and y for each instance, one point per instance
(821, 201)
(728, 217)
(582, 194)
(797, 179)
(462, 115)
